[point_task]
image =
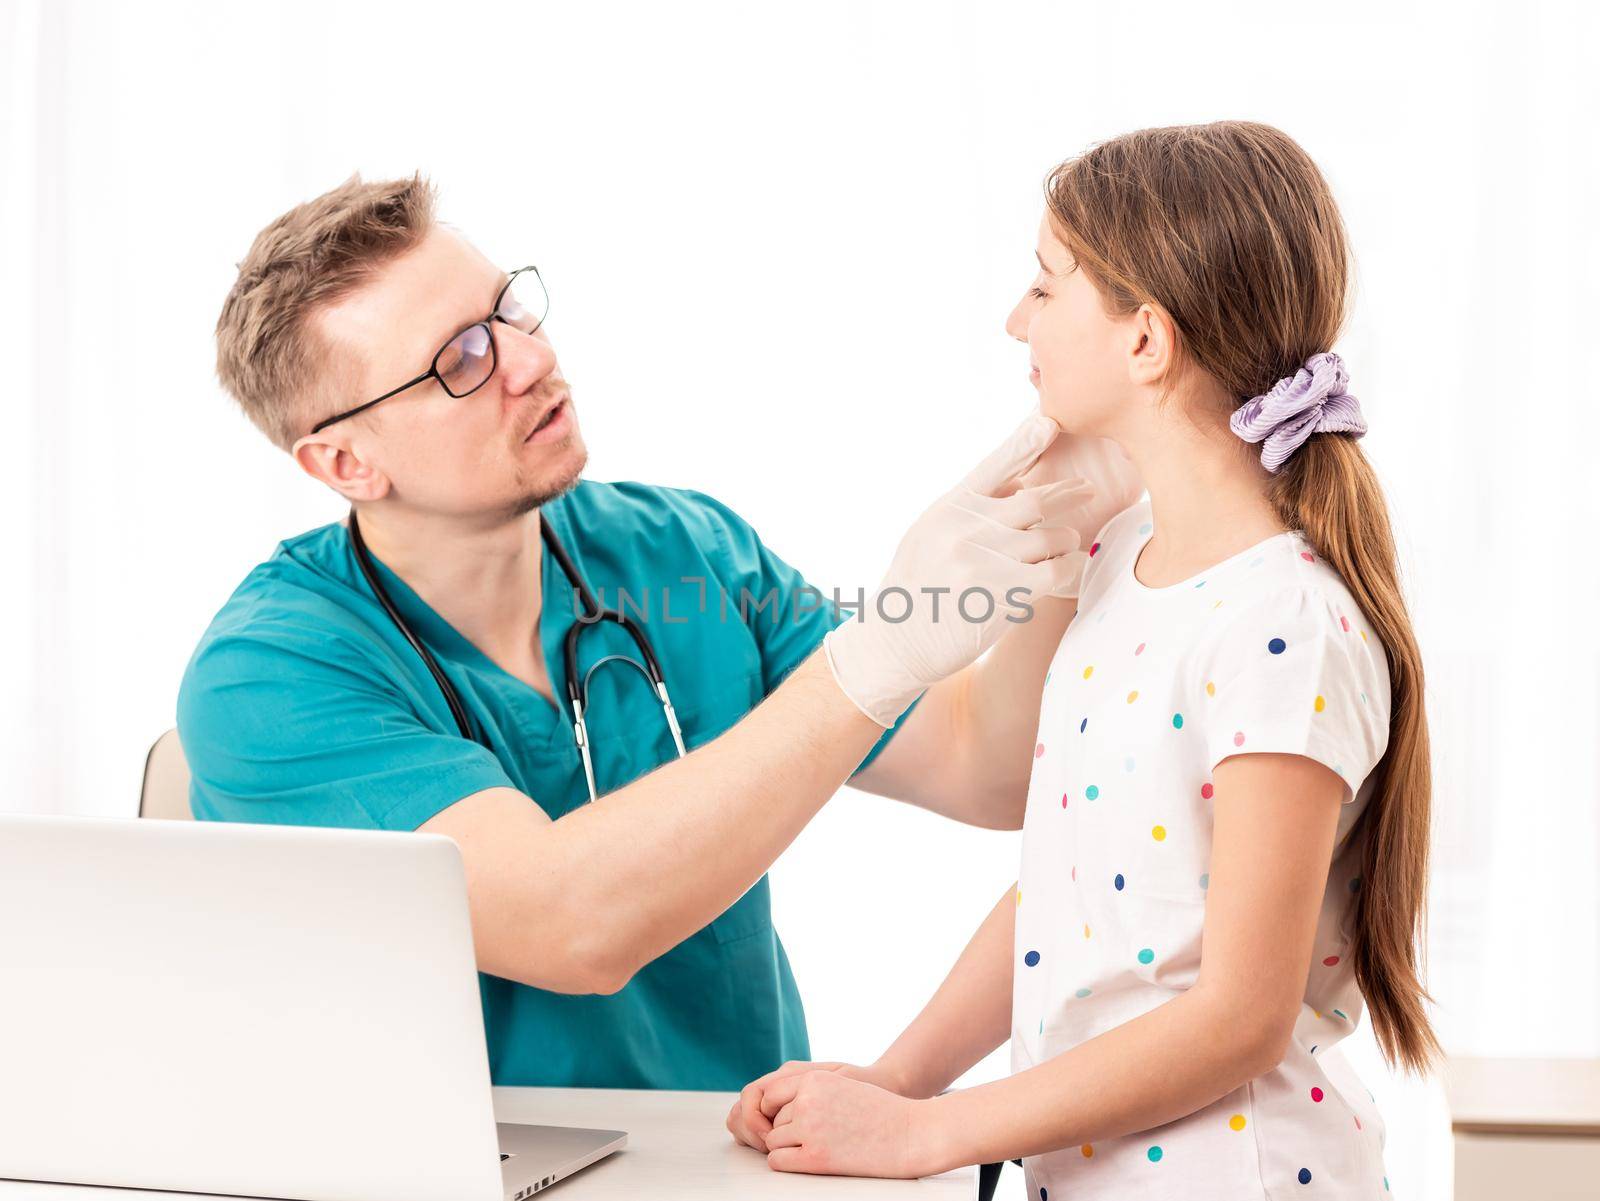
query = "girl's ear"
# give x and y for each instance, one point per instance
(1152, 345)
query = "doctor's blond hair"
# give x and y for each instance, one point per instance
(270, 357)
(1230, 229)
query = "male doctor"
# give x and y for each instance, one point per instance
(626, 942)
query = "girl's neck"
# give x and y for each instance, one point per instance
(1208, 494)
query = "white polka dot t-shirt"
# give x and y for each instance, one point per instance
(1150, 689)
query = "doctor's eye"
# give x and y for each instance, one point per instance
(1037, 293)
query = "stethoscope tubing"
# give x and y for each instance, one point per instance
(577, 683)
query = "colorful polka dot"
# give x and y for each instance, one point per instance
(1133, 696)
(1341, 1014)
(1201, 584)
(1205, 880)
(1236, 1122)
(1363, 635)
(1159, 833)
(1154, 1154)
(1147, 956)
(1305, 1173)
(1308, 556)
(1063, 800)
(1207, 791)
(1088, 1150)
(1031, 959)
(1277, 646)
(1139, 650)
(1146, 528)
(1038, 750)
(1088, 671)
(1082, 993)
(1086, 931)
(1331, 961)
(1074, 873)
(1314, 1047)
(1344, 623)
(1319, 704)
(1211, 688)
(1083, 725)
(1119, 882)
(1316, 1095)
(1044, 1194)
(1238, 738)
(1094, 550)
(1358, 1121)
(1092, 792)
(1128, 764)
(1177, 721)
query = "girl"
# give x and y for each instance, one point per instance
(1225, 843)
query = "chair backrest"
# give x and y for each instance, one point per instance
(165, 792)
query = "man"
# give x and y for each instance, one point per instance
(626, 942)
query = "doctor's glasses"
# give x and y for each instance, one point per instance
(465, 363)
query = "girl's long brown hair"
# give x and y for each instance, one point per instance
(1231, 230)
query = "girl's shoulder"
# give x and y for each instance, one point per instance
(1282, 595)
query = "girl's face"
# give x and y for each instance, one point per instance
(1078, 353)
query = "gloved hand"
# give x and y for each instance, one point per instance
(985, 535)
(1108, 470)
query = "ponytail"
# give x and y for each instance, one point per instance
(1328, 490)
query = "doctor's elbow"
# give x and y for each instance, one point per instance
(593, 965)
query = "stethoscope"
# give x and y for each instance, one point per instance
(577, 686)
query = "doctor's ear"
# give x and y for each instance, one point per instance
(1152, 345)
(331, 459)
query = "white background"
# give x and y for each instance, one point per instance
(780, 242)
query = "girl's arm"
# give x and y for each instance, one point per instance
(968, 1016)
(1276, 816)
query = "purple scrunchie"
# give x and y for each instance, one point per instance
(1311, 401)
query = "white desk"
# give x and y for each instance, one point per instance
(677, 1148)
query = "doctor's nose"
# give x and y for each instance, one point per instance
(524, 360)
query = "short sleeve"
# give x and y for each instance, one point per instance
(1117, 541)
(1298, 673)
(787, 616)
(297, 728)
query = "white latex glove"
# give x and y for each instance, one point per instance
(986, 533)
(1108, 470)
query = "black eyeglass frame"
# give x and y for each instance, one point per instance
(433, 368)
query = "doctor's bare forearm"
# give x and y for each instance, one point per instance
(967, 1017)
(580, 904)
(967, 749)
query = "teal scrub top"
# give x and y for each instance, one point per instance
(304, 705)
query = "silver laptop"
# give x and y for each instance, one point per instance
(268, 1011)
